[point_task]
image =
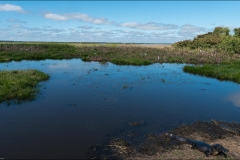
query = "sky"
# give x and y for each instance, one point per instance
(114, 21)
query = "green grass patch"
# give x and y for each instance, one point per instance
(20, 85)
(130, 61)
(225, 71)
(26, 51)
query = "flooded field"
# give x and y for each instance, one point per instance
(85, 103)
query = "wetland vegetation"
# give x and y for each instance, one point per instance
(222, 42)
(217, 48)
(20, 84)
(121, 54)
(124, 109)
(224, 71)
(214, 54)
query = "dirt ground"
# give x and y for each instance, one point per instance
(159, 146)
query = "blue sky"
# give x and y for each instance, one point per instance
(114, 21)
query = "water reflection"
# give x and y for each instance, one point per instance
(84, 103)
(235, 98)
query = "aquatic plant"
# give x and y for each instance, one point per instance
(20, 84)
(224, 71)
(130, 54)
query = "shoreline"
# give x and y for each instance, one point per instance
(160, 146)
(129, 54)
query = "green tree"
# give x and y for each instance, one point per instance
(230, 44)
(219, 38)
(221, 31)
(237, 32)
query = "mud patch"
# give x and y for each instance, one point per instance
(160, 146)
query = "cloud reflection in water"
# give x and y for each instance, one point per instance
(235, 98)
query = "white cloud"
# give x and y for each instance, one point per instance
(234, 98)
(148, 26)
(58, 66)
(85, 27)
(191, 28)
(132, 32)
(47, 26)
(165, 34)
(71, 35)
(9, 7)
(56, 30)
(55, 17)
(188, 31)
(14, 26)
(77, 16)
(15, 20)
(93, 20)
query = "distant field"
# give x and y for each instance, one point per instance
(118, 53)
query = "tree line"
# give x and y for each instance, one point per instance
(220, 39)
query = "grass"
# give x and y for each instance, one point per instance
(122, 54)
(129, 54)
(224, 71)
(25, 51)
(20, 85)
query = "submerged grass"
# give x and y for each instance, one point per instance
(20, 84)
(224, 71)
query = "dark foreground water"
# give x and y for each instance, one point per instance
(84, 104)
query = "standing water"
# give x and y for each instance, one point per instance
(84, 103)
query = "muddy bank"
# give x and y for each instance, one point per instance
(133, 145)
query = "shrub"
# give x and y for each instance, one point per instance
(221, 31)
(230, 44)
(218, 39)
(237, 32)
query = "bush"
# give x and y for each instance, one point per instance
(237, 32)
(218, 39)
(183, 44)
(230, 44)
(220, 31)
(208, 40)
